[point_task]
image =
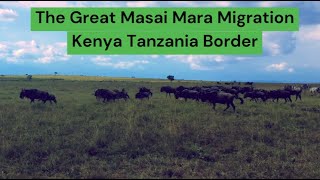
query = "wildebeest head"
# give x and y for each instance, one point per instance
(52, 98)
(177, 94)
(22, 93)
(125, 95)
(162, 89)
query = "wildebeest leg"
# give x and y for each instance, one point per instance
(228, 105)
(233, 106)
(32, 100)
(214, 106)
(290, 99)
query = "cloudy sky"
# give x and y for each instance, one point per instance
(287, 56)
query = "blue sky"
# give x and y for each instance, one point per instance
(287, 56)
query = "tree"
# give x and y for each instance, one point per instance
(55, 73)
(170, 77)
(29, 77)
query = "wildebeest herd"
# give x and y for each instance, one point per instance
(215, 94)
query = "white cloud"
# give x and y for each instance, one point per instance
(29, 4)
(3, 47)
(309, 33)
(142, 3)
(8, 15)
(222, 3)
(22, 51)
(283, 66)
(117, 64)
(196, 61)
(154, 56)
(183, 3)
(278, 43)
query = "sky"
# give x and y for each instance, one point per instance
(287, 56)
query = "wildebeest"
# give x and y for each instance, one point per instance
(279, 94)
(223, 98)
(108, 95)
(187, 94)
(249, 83)
(255, 95)
(168, 89)
(121, 94)
(34, 94)
(294, 90)
(144, 89)
(50, 98)
(105, 94)
(142, 95)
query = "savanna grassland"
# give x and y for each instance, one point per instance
(80, 137)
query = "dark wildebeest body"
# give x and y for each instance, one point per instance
(121, 94)
(187, 94)
(255, 95)
(34, 94)
(105, 94)
(142, 95)
(223, 98)
(144, 89)
(295, 91)
(279, 94)
(169, 90)
(108, 95)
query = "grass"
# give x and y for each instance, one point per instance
(160, 138)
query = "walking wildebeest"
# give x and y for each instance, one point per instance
(187, 94)
(34, 94)
(279, 94)
(223, 98)
(294, 90)
(169, 90)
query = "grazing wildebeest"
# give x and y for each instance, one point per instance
(142, 95)
(169, 90)
(111, 95)
(34, 94)
(50, 98)
(121, 94)
(144, 89)
(249, 83)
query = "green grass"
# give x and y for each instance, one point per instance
(160, 138)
